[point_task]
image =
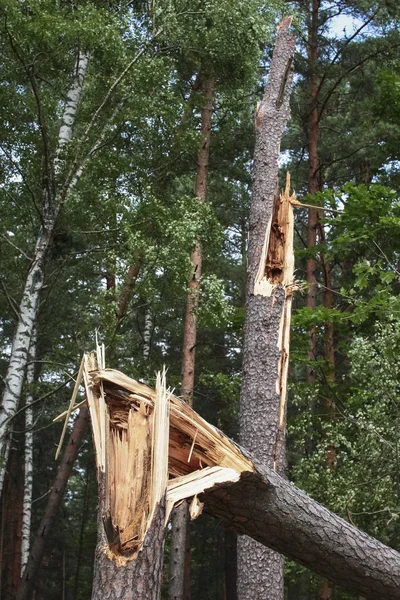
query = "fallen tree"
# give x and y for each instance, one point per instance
(143, 436)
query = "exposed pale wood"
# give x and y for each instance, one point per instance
(90, 366)
(71, 405)
(130, 433)
(211, 446)
(285, 256)
(250, 497)
(195, 508)
(62, 416)
(160, 435)
(276, 264)
(276, 267)
(186, 486)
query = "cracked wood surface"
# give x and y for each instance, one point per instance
(262, 401)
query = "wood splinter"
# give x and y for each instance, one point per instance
(143, 436)
(249, 497)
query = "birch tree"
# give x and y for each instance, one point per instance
(65, 156)
(51, 202)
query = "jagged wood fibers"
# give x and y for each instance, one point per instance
(252, 498)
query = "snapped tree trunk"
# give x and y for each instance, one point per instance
(131, 444)
(179, 583)
(220, 478)
(268, 304)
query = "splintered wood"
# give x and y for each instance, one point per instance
(277, 257)
(143, 436)
(276, 268)
(131, 441)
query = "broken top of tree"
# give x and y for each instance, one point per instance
(138, 438)
(141, 436)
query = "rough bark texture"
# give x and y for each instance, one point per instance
(260, 571)
(274, 512)
(190, 325)
(179, 523)
(314, 185)
(179, 585)
(53, 504)
(139, 579)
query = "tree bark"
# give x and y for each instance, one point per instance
(28, 308)
(274, 512)
(139, 579)
(22, 340)
(11, 521)
(314, 185)
(55, 498)
(28, 459)
(190, 324)
(126, 292)
(249, 497)
(179, 585)
(260, 571)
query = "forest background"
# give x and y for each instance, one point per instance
(124, 219)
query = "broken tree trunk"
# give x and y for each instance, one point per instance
(131, 442)
(268, 305)
(203, 464)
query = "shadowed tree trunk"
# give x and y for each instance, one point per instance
(262, 404)
(179, 585)
(53, 504)
(314, 184)
(139, 579)
(11, 521)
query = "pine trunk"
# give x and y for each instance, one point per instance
(131, 444)
(223, 480)
(179, 585)
(276, 513)
(139, 579)
(262, 408)
(313, 174)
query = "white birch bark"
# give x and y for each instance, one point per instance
(148, 325)
(28, 471)
(34, 282)
(71, 107)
